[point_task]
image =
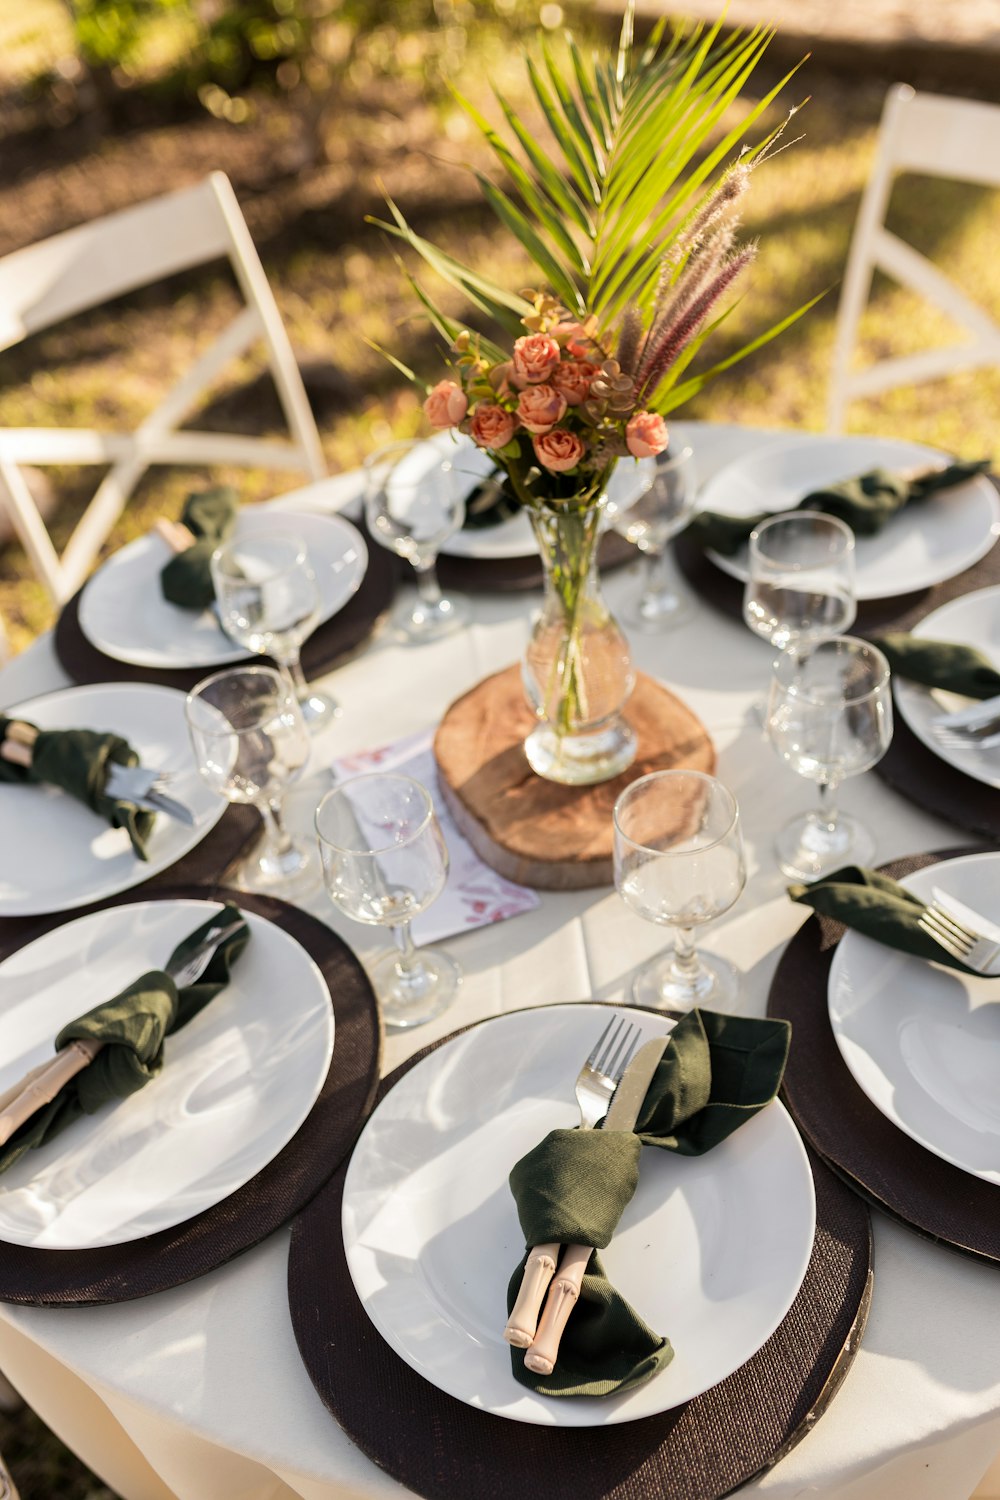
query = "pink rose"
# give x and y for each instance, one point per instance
(558, 450)
(446, 404)
(492, 427)
(535, 357)
(500, 377)
(572, 377)
(541, 407)
(574, 338)
(646, 434)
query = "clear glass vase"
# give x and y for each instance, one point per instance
(577, 669)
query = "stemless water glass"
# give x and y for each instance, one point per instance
(800, 583)
(413, 504)
(384, 862)
(268, 600)
(661, 511)
(829, 717)
(679, 862)
(251, 744)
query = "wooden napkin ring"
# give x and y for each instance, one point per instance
(176, 535)
(565, 1289)
(539, 1270)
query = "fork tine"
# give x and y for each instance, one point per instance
(609, 1062)
(628, 1055)
(942, 938)
(952, 924)
(592, 1059)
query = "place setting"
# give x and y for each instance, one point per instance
(221, 584)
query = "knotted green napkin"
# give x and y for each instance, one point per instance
(940, 664)
(877, 906)
(76, 760)
(187, 578)
(132, 1027)
(490, 502)
(575, 1185)
(865, 503)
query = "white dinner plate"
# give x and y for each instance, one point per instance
(124, 614)
(711, 1251)
(922, 545)
(513, 538)
(237, 1082)
(923, 1042)
(972, 620)
(54, 852)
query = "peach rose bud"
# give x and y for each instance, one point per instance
(558, 450)
(492, 427)
(535, 357)
(646, 434)
(572, 377)
(446, 405)
(541, 407)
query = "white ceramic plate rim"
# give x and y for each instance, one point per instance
(306, 1000)
(868, 1072)
(872, 452)
(918, 705)
(513, 538)
(656, 1395)
(142, 559)
(69, 708)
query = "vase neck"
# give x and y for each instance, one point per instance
(567, 541)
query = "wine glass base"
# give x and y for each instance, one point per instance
(654, 614)
(419, 622)
(413, 999)
(808, 849)
(319, 710)
(288, 876)
(716, 984)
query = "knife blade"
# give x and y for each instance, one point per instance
(966, 718)
(565, 1288)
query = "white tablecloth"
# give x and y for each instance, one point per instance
(199, 1393)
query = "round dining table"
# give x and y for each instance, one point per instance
(200, 1394)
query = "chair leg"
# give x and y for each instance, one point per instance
(8, 1489)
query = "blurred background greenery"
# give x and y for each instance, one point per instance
(309, 105)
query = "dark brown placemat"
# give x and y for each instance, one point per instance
(914, 771)
(328, 644)
(442, 1448)
(879, 1160)
(119, 1273)
(511, 575)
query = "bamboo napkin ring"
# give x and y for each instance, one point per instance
(176, 535)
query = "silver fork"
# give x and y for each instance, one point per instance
(147, 789)
(969, 947)
(194, 967)
(595, 1086)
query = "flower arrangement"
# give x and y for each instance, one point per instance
(632, 226)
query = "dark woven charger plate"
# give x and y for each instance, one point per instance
(119, 1273)
(442, 1448)
(349, 628)
(870, 1153)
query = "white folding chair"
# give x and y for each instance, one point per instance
(939, 137)
(7, 1489)
(84, 267)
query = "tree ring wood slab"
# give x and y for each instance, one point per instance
(536, 832)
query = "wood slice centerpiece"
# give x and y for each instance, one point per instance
(536, 832)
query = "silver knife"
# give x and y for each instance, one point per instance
(967, 718)
(622, 1114)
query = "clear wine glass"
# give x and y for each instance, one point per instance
(661, 511)
(251, 743)
(413, 504)
(384, 862)
(267, 599)
(679, 862)
(829, 717)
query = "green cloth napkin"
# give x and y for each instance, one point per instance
(865, 503)
(187, 578)
(132, 1026)
(490, 502)
(76, 760)
(877, 906)
(575, 1185)
(940, 664)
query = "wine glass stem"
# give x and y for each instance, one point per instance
(685, 964)
(656, 578)
(408, 959)
(427, 581)
(291, 668)
(276, 840)
(826, 812)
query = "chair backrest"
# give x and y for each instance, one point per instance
(84, 267)
(939, 137)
